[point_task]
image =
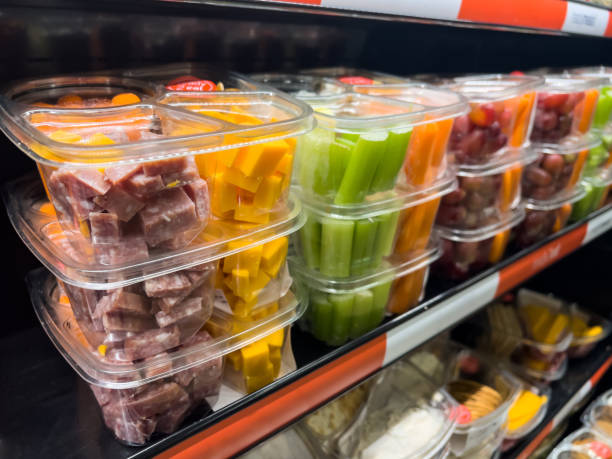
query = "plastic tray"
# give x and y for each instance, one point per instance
(583, 443)
(603, 110)
(501, 115)
(565, 107)
(152, 174)
(485, 193)
(35, 222)
(467, 251)
(346, 308)
(304, 87)
(557, 168)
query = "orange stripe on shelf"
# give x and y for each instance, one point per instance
(533, 263)
(303, 2)
(608, 32)
(243, 429)
(599, 373)
(541, 14)
(531, 447)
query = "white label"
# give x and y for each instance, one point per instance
(585, 19)
(435, 9)
(598, 226)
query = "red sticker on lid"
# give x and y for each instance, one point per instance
(356, 80)
(601, 449)
(469, 364)
(517, 73)
(191, 83)
(463, 415)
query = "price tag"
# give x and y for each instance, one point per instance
(585, 19)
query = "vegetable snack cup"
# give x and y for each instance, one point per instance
(603, 110)
(596, 193)
(585, 443)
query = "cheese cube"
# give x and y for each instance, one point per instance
(261, 159)
(273, 255)
(275, 359)
(284, 166)
(239, 282)
(224, 195)
(255, 358)
(235, 358)
(236, 177)
(275, 340)
(247, 259)
(242, 309)
(227, 157)
(269, 191)
(254, 383)
(247, 212)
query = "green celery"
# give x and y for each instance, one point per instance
(379, 303)
(343, 312)
(363, 245)
(339, 155)
(362, 310)
(336, 246)
(387, 225)
(391, 163)
(312, 147)
(603, 108)
(322, 315)
(310, 241)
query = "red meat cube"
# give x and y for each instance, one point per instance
(66, 241)
(142, 186)
(198, 193)
(191, 307)
(120, 202)
(165, 166)
(122, 321)
(156, 398)
(166, 214)
(130, 248)
(163, 364)
(167, 303)
(169, 421)
(207, 380)
(188, 174)
(121, 300)
(174, 284)
(103, 395)
(178, 242)
(152, 342)
(104, 228)
(127, 426)
(74, 188)
(119, 174)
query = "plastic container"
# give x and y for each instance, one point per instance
(346, 308)
(395, 422)
(588, 330)
(485, 193)
(596, 190)
(598, 415)
(603, 109)
(544, 218)
(35, 221)
(583, 443)
(526, 413)
(346, 241)
(149, 176)
(305, 87)
(565, 107)
(501, 114)
(467, 251)
(156, 393)
(351, 76)
(289, 443)
(557, 169)
(458, 363)
(490, 448)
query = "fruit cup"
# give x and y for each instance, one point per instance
(557, 169)
(583, 443)
(588, 329)
(467, 251)
(501, 114)
(596, 190)
(484, 193)
(364, 146)
(346, 308)
(565, 107)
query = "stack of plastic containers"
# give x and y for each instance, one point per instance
(561, 139)
(488, 147)
(164, 214)
(583, 443)
(370, 178)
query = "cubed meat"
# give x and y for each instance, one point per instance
(130, 248)
(174, 284)
(167, 303)
(120, 300)
(185, 377)
(120, 202)
(197, 278)
(166, 214)
(169, 421)
(103, 395)
(210, 371)
(165, 166)
(69, 242)
(152, 342)
(77, 187)
(119, 174)
(156, 398)
(104, 227)
(207, 382)
(82, 300)
(198, 193)
(191, 307)
(188, 174)
(177, 242)
(143, 186)
(203, 267)
(126, 426)
(157, 365)
(121, 321)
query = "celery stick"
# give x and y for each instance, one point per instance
(322, 313)
(336, 246)
(310, 241)
(339, 155)
(603, 108)
(362, 309)
(361, 168)
(313, 146)
(341, 323)
(379, 304)
(363, 245)
(391, 163)
(387, 224)
(353, 137)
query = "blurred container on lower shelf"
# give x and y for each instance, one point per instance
(583, 443)
(588, 330)
(598, 415)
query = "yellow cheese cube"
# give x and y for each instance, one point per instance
(84, 227)
(275, 358)
(227, 157)
(207, 164)
(247, 212)
(65, 137)
(239, 282)
(596, 330)
(261, 159)
(215, 328)
(284, 165)
(242, 309)
(255, 358)
(274, 254)
(99, 139)
(254, 383)
(265, 311)
(224, 196)
(236, 177)
(218, 279)
(269, 191)
(275, 340)
(557, 329)
(235, 358)
(260, 281)
(292, 142)
(247, 259)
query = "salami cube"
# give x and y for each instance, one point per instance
(203, 267)
(163, 364)
(166, 214)
(120, 202)
(75, 189)
(156, 398)
(167, 303)
(197, 278)
(119, 174)
(130, 248)
(165, 166)
(126, 426)
(142, 186)
(103, 395)
(67, 241)
(104, 228)
(207, 380)
(198, 193)
(169, 421)
(188, 174)
(191, 307)
(122, 321)
(177, 242)
(121, 300)
(174, 284)
(152, 342)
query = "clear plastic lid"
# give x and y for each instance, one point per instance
(174, 123)
(503, 223)
(55, 315)
(489, 88)
(564, 83)
(352, 76)
(569, 197)
(396, 266)
(305, 87)
(598, 415)
(569, 146)
(395, 422)
(383, 203)
(588, 327)
(583, 443)
(501, 163)
(601, 72)
(34, 220)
